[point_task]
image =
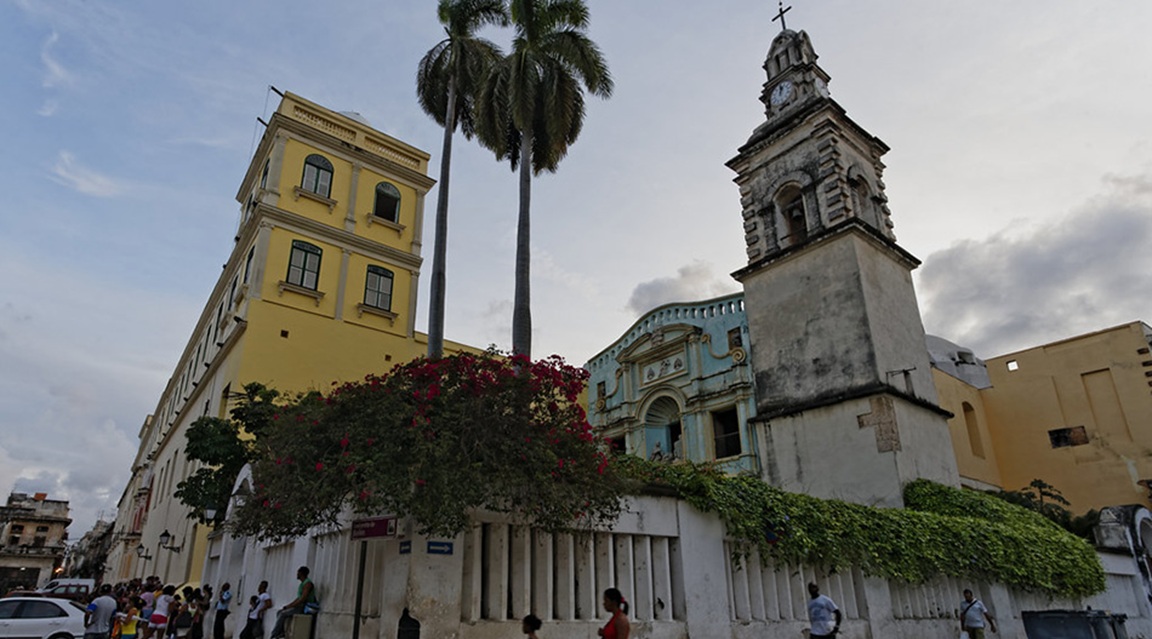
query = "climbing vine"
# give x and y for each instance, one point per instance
(942, 531)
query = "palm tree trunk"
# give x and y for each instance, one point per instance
(521, 305)
(440, 248)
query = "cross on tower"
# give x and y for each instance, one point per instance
(780, 16)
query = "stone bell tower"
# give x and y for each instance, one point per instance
(846, 406)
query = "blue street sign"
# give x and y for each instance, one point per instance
(405, 547)
(440, 547)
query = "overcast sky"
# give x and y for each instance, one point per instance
(1020, 173)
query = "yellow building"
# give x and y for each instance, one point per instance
(1076, 413)
(320, 286)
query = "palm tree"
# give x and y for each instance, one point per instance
(447, 81)
(532, 108)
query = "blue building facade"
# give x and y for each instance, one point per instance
(678, 385)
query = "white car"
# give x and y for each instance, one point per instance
(40, 618)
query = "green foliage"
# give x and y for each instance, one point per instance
(224, 446)
(435, 440)
(1041, 497)
(942, 531)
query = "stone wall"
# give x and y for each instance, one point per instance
(670, 561)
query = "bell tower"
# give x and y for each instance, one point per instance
(846, 405)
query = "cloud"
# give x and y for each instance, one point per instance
(694, 281)
(48, 109)
(54, 73)
(1023, 287)
(71, 174)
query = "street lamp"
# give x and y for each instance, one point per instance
(210, 513)
(142, 553)
(166, 537)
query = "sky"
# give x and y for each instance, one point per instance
(1019, 173)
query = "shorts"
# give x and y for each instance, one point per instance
(157, 620)
(975, 633)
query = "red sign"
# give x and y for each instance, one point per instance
(374, 528)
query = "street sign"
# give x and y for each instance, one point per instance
(440, 547)
(374, 528)
(406, 547)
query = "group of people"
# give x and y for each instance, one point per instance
(825, 617)
(149, 609)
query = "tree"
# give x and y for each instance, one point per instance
(224, 447)
(531, 109)
(447, 81)
(1046, 499)
(435, 440)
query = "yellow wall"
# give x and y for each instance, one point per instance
(971, 435)
(1099, 381)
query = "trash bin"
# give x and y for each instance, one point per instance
(1074, 624)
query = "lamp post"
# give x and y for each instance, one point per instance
(166, 537)
(142, 553)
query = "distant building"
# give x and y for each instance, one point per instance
(320, 286)
(1075, 413)
(88, 556)
(677, 385)
(34, 529)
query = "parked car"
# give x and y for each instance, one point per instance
(40, 618)
(75, 589)
(24, 593)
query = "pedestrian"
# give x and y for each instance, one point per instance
(972, 616)
(305, 601)
(132, 618)
(158, 621)
(258, 605)
(530, 625)
(822, 614)
(222, 610)
(99, 613)
(617, 626)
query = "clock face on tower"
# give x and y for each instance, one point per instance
(781, 93)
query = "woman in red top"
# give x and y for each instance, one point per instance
(617, 626)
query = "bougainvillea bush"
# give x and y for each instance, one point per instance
(436, 440)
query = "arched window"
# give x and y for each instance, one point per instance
(973, 427)
(862, 201)
(378, 288)
(662, 422)
(387, 204)
(317, 175)
(791, 203)
(304, 265)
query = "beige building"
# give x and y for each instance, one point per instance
(34, 529)
(1075, 413)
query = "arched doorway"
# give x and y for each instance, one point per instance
(662, 430)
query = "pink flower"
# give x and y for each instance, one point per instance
(420, 482)
(319, 465)
(344, 442)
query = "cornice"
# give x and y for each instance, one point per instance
(338, 236)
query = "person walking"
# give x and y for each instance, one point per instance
(822, 614)
(972, 616)
(98, 616)
(222, 610)
(617, 626)
(304, 602)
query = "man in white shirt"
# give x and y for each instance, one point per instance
(98, 616)
(822, 614)
(972, 616)
(254, 629)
